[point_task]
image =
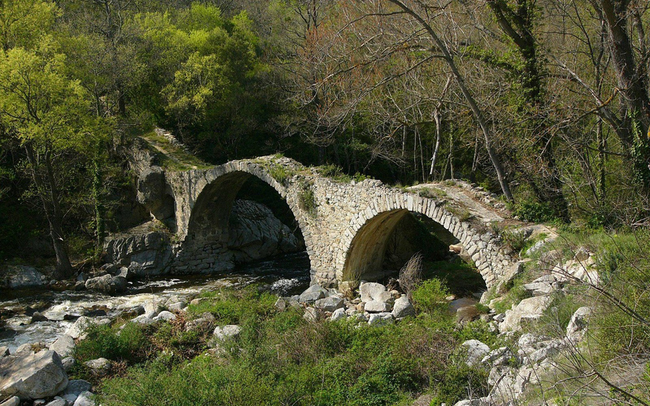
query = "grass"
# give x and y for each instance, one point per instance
(307, 200)
(336, 174)
(175, 157)
(280, 359)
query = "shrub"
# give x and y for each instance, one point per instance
(307, 200)
(430, 296)
(533, 211)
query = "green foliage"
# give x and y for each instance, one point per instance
(534, 211)
(337, 174)
(307, 200)
(430, 296)
(459, 381)
(279, 358)
(460, 277)
(129, 344)
(514, 239)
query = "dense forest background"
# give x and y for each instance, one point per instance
(545, 102)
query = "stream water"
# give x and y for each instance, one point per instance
(285, 275)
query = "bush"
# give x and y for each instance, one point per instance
(430, 296)
(533, 211)
(130, 344)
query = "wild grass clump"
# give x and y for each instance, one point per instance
(307, 200)
(410, 276)
(430, 297)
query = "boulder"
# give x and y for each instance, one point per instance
(141, 251)
(281, 304)
(85, 399)
(143, 319)
(329, 304)
(68, 363)
(4, 351)
(77, 386)
(376, 306)
(21, 276)
(64, 345)
(312, 294)
(228, 332)
(528, 310)
(38, 316)
(77, 330)
(108, 284)
(257, 233)
(577, 326)
(204, 323)
(380, 319)
(153, 307)
(34, 376)
(12, 401)
(99, 367)
(403, 308)
(57, 401)
(370, 291)
(476, 351)
(311, 314)
(165, 315)
(338, 314)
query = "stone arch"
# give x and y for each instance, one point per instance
(369, 232)
(209, 211)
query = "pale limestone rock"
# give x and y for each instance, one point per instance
(577, 326)
(227, 332)
(403, 308)
(380, 319)
(64, 346)
(34, 376)
(329, 304)
(528, 310)
(370, 291)
(476, 351)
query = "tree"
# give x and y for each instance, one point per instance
(49, 115)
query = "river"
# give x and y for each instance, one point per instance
(285, 275)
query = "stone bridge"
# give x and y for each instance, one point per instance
(345, 225)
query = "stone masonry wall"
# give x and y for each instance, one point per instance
(339, 212)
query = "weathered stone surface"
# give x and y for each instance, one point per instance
(312, 294)
(528, 310)
(202, 200)
(227, 332)
(57, 401)
(142, 250)
(329, 304)
(99, 366)
(204, 323)
(153, 307)
(35, 376)
(12, 401)
(380, 319)
(256, 233)
(370, 291)
(577, 326)
(376, 306)
(21, 276)
(574, 270)
(311, 314)
(64, 345)
(77, 330)
(77, 386)
(403, 308)
(108, 284)
(165, 315)
(68, 363)
(4, 351)
(338, 314)
(85, 399)
(476, 351)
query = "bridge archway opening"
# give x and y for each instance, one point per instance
(243, 219)
(387, 241)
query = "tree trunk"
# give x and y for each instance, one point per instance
(48, 194)
(633, 84)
